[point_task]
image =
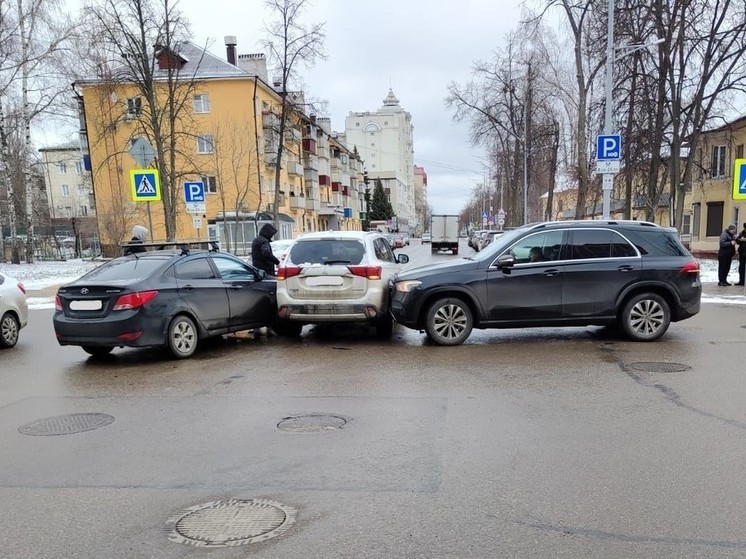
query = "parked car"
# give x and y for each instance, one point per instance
(633, 274)
(474, 238)
(488, 238)
(280, 248)
(398, 241)
(163, 299)
(13, 311)
(336, 276)
(426, 238)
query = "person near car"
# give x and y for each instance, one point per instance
(135, 244)
(726, 252)
(741, 241)
(261, 251)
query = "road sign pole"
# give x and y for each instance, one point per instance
(608, 180)
(150, 221)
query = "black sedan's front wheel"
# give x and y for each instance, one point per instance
(182, 337)
(646, 317)
(449, 321)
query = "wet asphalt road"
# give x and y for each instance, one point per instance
(520, 443)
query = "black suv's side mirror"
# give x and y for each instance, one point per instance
(505, 261)
(402, 258)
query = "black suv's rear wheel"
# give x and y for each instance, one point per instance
(384, 327)
(448, 321)
(646, 317)
(287, 328)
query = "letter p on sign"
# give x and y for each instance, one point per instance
(608, 148)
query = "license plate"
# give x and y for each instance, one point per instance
(324, 280)
(87, 305)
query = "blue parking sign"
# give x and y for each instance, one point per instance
(194, 192)
(609, 148)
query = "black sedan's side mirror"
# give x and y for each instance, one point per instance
(402, 258)
(505, 261)
(260, 275)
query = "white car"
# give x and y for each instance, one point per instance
(336, 276)
(13, 310)
(280, 248)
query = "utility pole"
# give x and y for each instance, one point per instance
(608, 178)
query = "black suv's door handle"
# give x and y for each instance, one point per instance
(235, 286)
(625, 268)
(188, 287)
(551, 273)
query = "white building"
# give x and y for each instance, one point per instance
(385, 141)
(69, 191)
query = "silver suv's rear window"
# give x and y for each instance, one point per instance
(327, 251)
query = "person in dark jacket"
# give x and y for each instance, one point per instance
(725, 253)
(261, 250)
(741, 241)
(135, 245)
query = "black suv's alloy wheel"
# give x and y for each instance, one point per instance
(646, 317)
(449, 321)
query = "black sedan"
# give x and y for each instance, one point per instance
(163, 299)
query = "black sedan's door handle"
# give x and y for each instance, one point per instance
(625, 268)
(235, 286)
(551, 273)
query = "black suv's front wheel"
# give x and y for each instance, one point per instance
(449, 321)
(646, 317)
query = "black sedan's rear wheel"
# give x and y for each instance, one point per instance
(9, 329)
(449, 321)
(182, 337)
(97, 351)
(646, 317)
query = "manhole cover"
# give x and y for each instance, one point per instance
(230, 523)
(658, 367)
(66, 424)
(311, 423)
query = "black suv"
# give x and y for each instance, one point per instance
(634, 274)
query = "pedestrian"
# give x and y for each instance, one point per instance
(726, 252)
(135, 244)
(261, 251)
(741, 240)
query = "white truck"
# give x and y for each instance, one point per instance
(444, 231)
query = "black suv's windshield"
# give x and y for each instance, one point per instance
(327, 251)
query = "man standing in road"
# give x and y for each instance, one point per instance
(741, 240)
(261, 250)
(725, 253)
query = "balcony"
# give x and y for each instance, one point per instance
(313, 204)
(311, 175)
(309, 145)
(270, 120)
(336, 186)
(295, 168)
(325, 180)
(336, 199)
(297, 203)
(293, 135)
(323, 152)
(310, 162)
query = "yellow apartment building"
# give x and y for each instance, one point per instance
(226, 136)
(710, 205)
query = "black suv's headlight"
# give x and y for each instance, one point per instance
(407, 285)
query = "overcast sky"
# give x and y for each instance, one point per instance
(416, 47)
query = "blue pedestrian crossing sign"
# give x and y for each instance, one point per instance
(739, 180)
(146, 185)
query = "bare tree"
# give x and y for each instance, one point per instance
(149, 41)
(290, 44)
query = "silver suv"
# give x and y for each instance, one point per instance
(336, 276)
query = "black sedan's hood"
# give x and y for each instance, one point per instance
(439, 268)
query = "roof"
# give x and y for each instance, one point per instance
(328, 235)
(71, 146)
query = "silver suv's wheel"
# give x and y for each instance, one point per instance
(448, 321)
(646, 317)
(182, 337)
(9, 328)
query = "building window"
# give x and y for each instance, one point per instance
(204, 144)
(736, 215)
(69, 211)
(65, 190)
(717, 164)
(696, 219)
(686, 226)
(134, 106)
(84, 211)
(82, 190)
(63, 168)
(78, 167)
(714, 224)
(211, 184)
(739, 151)
(202, 103)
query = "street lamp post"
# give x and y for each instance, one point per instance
(608, 178)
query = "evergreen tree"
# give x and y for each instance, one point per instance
(380, 205)
(366, 221)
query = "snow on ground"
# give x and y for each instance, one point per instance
(43, 275)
